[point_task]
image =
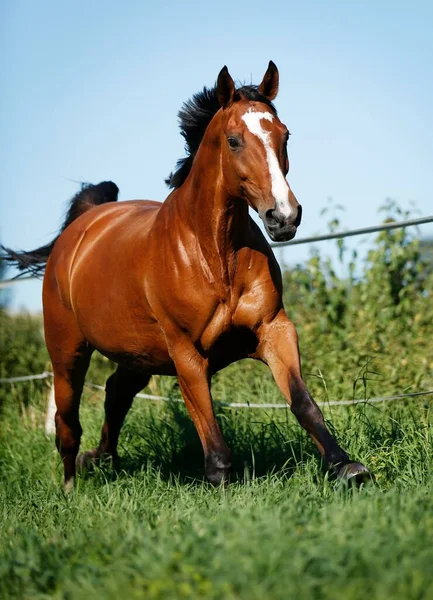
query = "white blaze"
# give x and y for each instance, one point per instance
(280, 187)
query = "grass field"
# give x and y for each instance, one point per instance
(152, 528)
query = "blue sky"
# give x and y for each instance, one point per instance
(91, 90)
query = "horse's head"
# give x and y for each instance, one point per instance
(254, 152)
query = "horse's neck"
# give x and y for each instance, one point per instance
(219, 223)
(222, 221)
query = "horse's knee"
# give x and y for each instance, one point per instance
(217, 466)
(305, 409)
(302, 404)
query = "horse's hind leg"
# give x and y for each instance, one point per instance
(70, 357)
(69, 368)
(120, 389)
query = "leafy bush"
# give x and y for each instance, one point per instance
(370, 323)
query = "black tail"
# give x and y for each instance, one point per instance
(89, 196)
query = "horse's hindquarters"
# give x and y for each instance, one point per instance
(96, 281)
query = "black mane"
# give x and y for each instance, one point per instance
(194, 117)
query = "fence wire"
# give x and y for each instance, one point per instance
(48, 374)
(296, 242)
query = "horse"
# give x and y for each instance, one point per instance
(184, 287)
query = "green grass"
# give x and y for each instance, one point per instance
(154, 529)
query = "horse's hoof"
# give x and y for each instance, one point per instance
(86, 460)
(218, 479)
(354, 472)
(217, 469)
(68, 486)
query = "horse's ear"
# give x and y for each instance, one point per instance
(225, 87)
(269, 85)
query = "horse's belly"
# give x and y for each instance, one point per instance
(152, 363)
(127, 341)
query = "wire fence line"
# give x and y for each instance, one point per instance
(296, 242)
(42, 375)
(281, 404)
(353, 232)
(48, 374)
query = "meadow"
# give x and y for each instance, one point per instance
(151, 527)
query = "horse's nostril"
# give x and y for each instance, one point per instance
(271, 217)
(298, 219)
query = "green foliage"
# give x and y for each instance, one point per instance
(21, 344)
(152, 528)
(426, 250)
(22, 352)
(370, 321)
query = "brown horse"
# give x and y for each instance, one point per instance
(185, 287)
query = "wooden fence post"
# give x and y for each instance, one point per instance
(50, 427)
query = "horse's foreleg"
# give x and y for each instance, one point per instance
(278, 347)
(120, 390)
(193, 376)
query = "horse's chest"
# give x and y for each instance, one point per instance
(242, 309)
(218, 323)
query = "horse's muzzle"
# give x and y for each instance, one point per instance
(280, 228)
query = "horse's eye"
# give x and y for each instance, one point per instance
(234, 143)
